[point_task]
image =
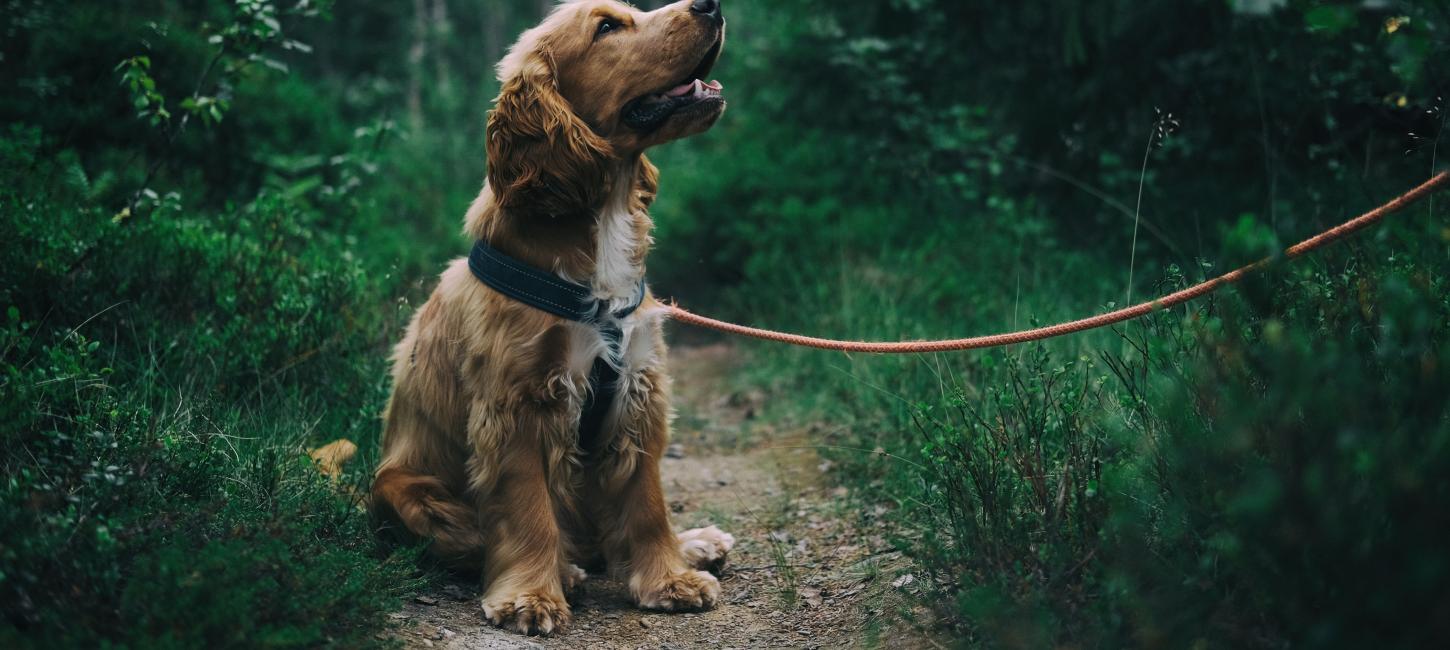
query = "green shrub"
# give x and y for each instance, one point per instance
(164, 369)
(134, 517)
(1298, 464)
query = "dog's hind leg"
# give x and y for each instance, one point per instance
(429, 510)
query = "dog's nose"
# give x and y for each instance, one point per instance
(709, 8)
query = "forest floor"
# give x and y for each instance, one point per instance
(809, 569)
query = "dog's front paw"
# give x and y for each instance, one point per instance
(527, 613)
(681, 591)
(706, 548)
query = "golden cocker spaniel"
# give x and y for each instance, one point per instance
(482, 449)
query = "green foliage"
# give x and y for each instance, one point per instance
(172, 343)
(1228, 475)
(136, 76)
(218, 214)
(1014, 471)
(1297, 458)
(131, 518)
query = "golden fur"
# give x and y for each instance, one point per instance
(480, 448)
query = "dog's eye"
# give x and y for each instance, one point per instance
(605, 26)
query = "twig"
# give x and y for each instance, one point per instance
(769, 567)
(1137, 215)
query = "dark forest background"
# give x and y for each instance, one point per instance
(218, 215)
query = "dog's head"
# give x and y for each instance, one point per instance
(599, 81)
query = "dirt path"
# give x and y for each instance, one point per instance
(808, 570)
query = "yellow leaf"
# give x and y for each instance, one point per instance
(121, 216)
(331, 457)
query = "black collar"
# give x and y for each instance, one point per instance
(543, 290)
(576, 302)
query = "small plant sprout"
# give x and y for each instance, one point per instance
(1163, 126)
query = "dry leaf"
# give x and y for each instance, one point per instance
(331, 457)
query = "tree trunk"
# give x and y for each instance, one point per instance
(440, 34)
(416, 54)
(497, 25)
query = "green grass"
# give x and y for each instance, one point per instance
(187, 310)
(1198, 476)
(157, 409)
(1227, 474)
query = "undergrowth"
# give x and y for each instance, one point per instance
(1261, 468)
(214, 230)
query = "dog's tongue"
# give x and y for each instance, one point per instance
(695, 86)
(683, 90)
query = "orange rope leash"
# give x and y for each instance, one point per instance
(1062, 329)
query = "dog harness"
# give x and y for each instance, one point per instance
(568, 300)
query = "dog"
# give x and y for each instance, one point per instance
(482, 450)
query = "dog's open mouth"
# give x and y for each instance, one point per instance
(650, 111)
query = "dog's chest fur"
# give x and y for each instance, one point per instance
(621, 239)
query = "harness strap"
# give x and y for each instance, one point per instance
(571, 301)
(603, 386)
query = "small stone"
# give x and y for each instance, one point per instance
(426, 600)
(448, 634)
(675, 450)
(644, 624)
(903, 581)
(811, 596)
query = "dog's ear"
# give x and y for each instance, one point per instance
(646, 184)
(542, 159)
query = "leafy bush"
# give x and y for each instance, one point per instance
(130, 517)
(1292, 489)
(172, 345)
(1231, 474)
(218, 214)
